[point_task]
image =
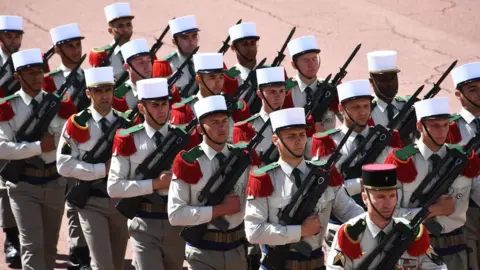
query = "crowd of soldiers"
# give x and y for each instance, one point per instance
(230, 168)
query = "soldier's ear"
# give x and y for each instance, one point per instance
(419, 127)
(126, 66)
(141, 108)
(364, 197)
(458, 95)
(174, 41)
(371, 81)
(198, 79)
(87, 92)
(232, 47)
(16, 76)
(293, 64)
(275, 139)
(110, 30)
(200, 129)
(57, 49)
(259, 94)
(340, 108)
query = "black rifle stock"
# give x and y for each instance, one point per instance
(48, 54)
(343, 70)
(106, 61)
(226, 42)
(280, 55)
(159, 42)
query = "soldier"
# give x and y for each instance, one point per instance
(415, 162)
(244, 39)
(210, 78)
(105, 229)
(191, 172)
(357, 238)
(305, 56)
(271, 188)
(155, 242)
(11, 35)
(119, 19)
(463, 127)
(37, 199)
(68, 45)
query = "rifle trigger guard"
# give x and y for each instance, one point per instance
(179, 140)
(458, 161)
(328, 93)
(320, 180)
(383, 137)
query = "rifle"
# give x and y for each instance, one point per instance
(179, 72)
(48, 54)
(154, 164)
(10, 80)
(380, 137)
(402, 235)
(225, 43)
(7, 63)
(280, 55)
(343, 70)
(304, 201)
(408, 126)
(106, 61)
(36, 125)
(233, 167)
(159, 43)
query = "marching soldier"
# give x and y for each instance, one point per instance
(119, 19)
(105, 229)
(305, 56)
(68, 45)
(11, 34)
(191, 172)
(415, 162)
(270, 189)
(464, 126)
(244, 39)
(358, 237)
(37, 198)
(155, 242)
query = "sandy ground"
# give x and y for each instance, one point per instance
(428, 35)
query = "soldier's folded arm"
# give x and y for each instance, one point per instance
(16, 150)
(475, 193)
(344, 207)
(455, 220)
(119, 185)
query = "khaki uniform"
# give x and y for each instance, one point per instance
(379, 112)
(175, 60)
(104, 228)
(58, 77)
(184, 209)
(37, 199)
(14, 85)
(262, 224)
(156, 244)
(368, 237)
(451, 245)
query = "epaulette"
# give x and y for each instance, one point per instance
(396, 141)
(373, 104)
(230, 85)
(67, 107)
(454, 134)
(107, 47)
(402, 158)
(48, 84)
(186, 166)
(133, 129)
(232, 72)
(161, 69)
(255, 160)
(169, 57)
(181, 113)
(290, 83)
(97, 55)
(336, 178)
(421, 243)
(243, 131)
(121, 114)
(6, 110)
(288, 101)
(454, 117)
(53, 72)
(189, 99)
(400, 99)
(123, 143)
(473, 161)
(122, 90)
(248, 120)
(322, 143)
(77, 126)
(242, 112)
(259, 181)
(349, 238)
(120, 104)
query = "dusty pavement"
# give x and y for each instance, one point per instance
(428, 35)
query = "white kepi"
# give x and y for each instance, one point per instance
(464, 74)
(152, 89)
(209, 105)
(270, 76)
(101, 76)
(27, 58)
(432, 108)
(353, 90)
(288, 118)
(382, 62)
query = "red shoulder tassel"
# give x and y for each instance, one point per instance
(421, 244)
(454, 136)
(333, 106)
(230, 85)
(255, 159)
(288, 101)
(136, 121)
(120, 104)
(243, 132)
(336, 178)
(406, 170)
(175, 96)
(396, 141)
(189, 173)
(195, 139)
(473, 166)
(241, 114)
(310, 126)
(161, 69)
(77, 132)
(123, 145)
(370, 122)
(67, 108)
(349, 247)
(95, 58)
(259, 185)
(322, 146)
(2, 93)
(181, 114)
(49, 84)
(6, 111)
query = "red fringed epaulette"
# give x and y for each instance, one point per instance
(96, 57)
(161, 69)
(187, 171)
(370, 122)
(349, 239)
(80, 134)
(322, 145)
(6, 111)
(259, 184)
(194, 140)
(67, 108)
(136, 121)
(242, 112)
(230, 85)
(255, 159)
(120, 104)
(311, 126)
(123, 143)
(175, 96)
(49, 84)
(336, 178)
(2, 93)
(288, 101)
(243, 132)
(473, 166)
(181, 114)
(421, 243)
(396, 141)
(333, 106)
(406, 170)
(454, 135)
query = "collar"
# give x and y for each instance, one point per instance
(97, 116)
(374, 229)
(3, 55)
(287, 169)
(199, 95)
(382, 105)
(264, 115)
(181, 56)
(28, 99)
(467, 116)
(210, 152)
(302, 85)
(150, 130)
(117, 49)
(426, 152)
(133, 86)
(244, 71)
(66, 70)
(364, 133)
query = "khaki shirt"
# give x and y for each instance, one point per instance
(380, 114)
(131, 96)
(261, 221)
(369, 241)
(244, 71)
(176, 60)
(62, 73)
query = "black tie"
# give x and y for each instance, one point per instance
(120, 56)
(390, 112)
(435, 159)
(104, 125)
(158, 138)
(34, 104)
(221, 158)
(309, 93)
(477, 123)
(359, 139)
(380, 236)
(298, 179)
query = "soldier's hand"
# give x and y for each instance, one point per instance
(311, 226)
(47, 144)
(107, 166)
(162, 181)
(445, 206)
(231, 204)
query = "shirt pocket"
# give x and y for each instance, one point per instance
(275, 205)
(460, 189)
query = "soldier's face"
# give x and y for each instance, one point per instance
(186, 42)
(214, 81)
(31, 78)
(471, 94)
(217, 126)
(383, 200)
(247, 49)
(293, 138)
(10, 42)
(386, 84)
(141, 64)
(274, 96)
(70, 51)
(308, 64)
(358, 109)
(121, 29)
(438, 129)
(102, 97)
(158, 110)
